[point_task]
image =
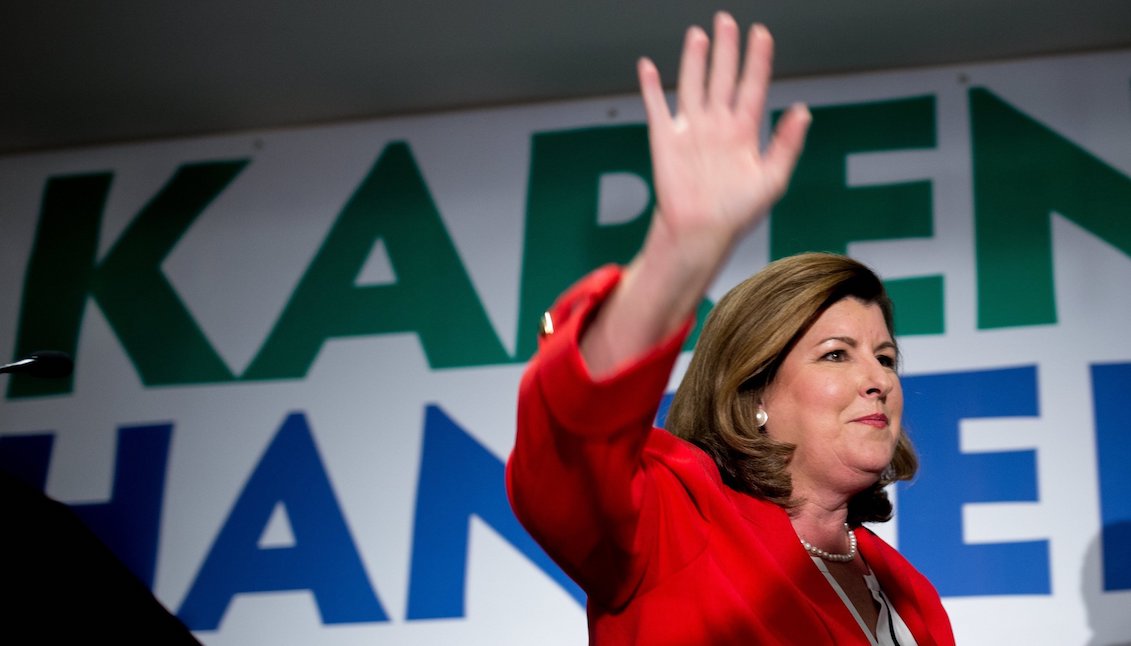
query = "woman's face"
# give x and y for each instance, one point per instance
(837, 398)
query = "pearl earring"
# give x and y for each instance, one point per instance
(761, 417)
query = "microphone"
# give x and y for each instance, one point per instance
(46, 364)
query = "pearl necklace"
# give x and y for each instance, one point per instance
(828, 556)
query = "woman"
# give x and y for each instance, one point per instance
(745, 528)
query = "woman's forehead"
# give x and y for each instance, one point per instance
(851, 319)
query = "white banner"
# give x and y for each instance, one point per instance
(297, 352)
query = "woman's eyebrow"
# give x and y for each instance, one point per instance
(853, 343)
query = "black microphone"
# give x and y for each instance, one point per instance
(47, 364)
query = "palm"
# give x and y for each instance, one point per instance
(711, 177)
(713, 183)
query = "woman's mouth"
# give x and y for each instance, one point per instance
(878, 420)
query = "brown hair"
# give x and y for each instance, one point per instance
(743, 344)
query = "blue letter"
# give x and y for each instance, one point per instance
(1110, 386)
(930, 509)
(26, 458)
(458, 478)
(128, 522)
(323, 560)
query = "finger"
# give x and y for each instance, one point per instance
(692, 69)
(785, 146)
(724, 61)
(756, 69)
(652, 91)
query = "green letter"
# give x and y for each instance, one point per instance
(152, 324)
(1023, 172)
(432, 296)
(821, 212)
(564, 240)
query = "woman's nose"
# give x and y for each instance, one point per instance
(878, 380)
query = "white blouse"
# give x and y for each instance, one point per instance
(890, 629)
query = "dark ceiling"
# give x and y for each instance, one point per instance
(81, 73)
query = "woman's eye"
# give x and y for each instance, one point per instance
(886, 361)
(835, 355)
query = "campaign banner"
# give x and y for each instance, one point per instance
(297, 351)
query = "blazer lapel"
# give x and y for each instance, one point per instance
(781, 541)
(892, 571)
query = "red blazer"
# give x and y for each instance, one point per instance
(642, 521)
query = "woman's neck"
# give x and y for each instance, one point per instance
(821, 521)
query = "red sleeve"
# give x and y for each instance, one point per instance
(575, 478)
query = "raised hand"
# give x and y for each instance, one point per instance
(713, 184)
